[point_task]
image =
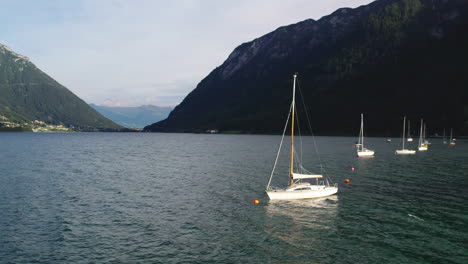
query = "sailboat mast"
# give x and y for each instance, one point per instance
(409, 129)
(424, 132)
(421, 133)
(362, 131)
(404, 123)
(291, 164)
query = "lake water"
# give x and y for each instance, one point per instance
(185, 198)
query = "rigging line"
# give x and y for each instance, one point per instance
(301, 169)
(297, 164)
(310, 127)
(298, 161)
(279, 148)
(300, 135)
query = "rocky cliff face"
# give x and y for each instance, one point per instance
(28, 94)
(386, 59)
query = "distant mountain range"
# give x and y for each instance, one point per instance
(28, 94)
(387, 59)
(134, 117)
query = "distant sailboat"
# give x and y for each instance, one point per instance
(298, 189)
(425, 141)
(452, 140)
(404, 151)
(361, 150)
(410, 139)
(421, 145)
(443, 138)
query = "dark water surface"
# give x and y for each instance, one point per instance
(183, 198)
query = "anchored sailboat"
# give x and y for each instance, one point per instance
(410, 139)
(452, 140)
(298, 189)
(443, 138)
(422, 146)
(404, 151)
(425, 141)
(361, 150)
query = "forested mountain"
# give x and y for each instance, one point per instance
(28, 94)
(387, 59)
(134, 117)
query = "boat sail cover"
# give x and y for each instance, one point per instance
(305, 176)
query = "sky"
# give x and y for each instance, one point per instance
(137, 52)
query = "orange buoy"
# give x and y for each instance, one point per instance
(346, 180)
(352, 168)
(256, 201)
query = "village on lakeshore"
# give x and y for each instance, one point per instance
(34, 126)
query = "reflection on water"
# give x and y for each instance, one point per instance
(298, 221)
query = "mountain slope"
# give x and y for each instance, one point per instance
(134, 117)
(386, 59)
(27, 93)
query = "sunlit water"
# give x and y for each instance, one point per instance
(183, 198)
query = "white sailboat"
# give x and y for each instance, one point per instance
(452, 140)
(443, 138)
(410, 139)
(422, 146)
(425, 141)
(299, 189)
(361, 150)
(404, 151)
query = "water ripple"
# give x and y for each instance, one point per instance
(180, 198)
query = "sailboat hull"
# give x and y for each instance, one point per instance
(367, 153)
(315, 192)
(405, 152)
